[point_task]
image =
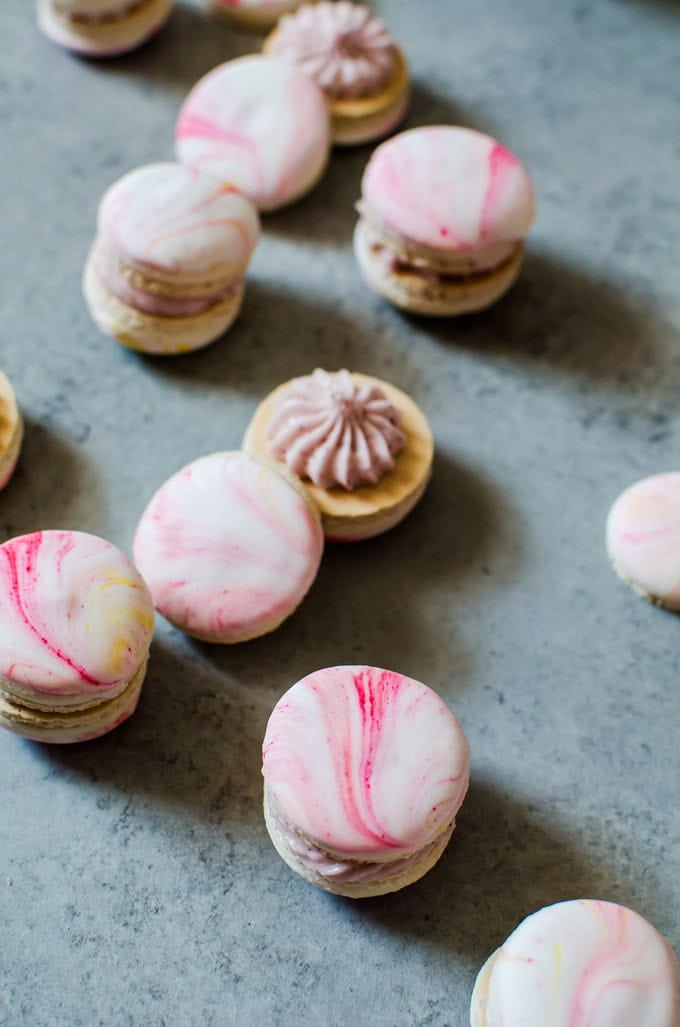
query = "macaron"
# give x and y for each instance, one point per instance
(581, 962)
(259, 125)
(443, 216)
(258, 15)
(643, 538)
(229, 547)
(361, 446)
(354, 60)
(166, 272)
(364, 773)
(102, 28)
(11, 430)
(76, 621)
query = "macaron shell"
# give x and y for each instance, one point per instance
(259, 15)
(259, 125)
(368, 510)
(104, 38)
(11, 430)
(229, 547)
(643, 538)
(365, 762)
(448, 188)
(76, 618)
(585, 962)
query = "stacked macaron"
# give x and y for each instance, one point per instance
(253, 14)
(102, 28)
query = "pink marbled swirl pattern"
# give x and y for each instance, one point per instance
(75, 616)
(365, 762)
(259, 125)
(229, 547)
(174, 218)
(448, 188)
(643, 536)
(582, 963)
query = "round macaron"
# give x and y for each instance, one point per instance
(364, 772)
(643, 538)
(259, 125)
(102, 28)
(166, 271)
(229, 546)
(353, 59)
(361, 446)
(582, 962)
(259, 15)
(76, 621)
(443, 216)
(11, 430)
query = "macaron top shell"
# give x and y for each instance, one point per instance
(229, 547)
(448, 188)
(643, 536)
(581, 963)
(75, 616)
(258, 124)
(365, 762)
(178, 219)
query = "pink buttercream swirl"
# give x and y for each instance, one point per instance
(332, 432)
(346, 50)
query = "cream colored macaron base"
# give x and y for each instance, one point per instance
(161, 336)
(258, 18)
(361, 120)
(11, 430)
(104, 38)
(359, 889)
(419, 294)
(480, 993)
(666, 602)
(370, 509)
(60, 725)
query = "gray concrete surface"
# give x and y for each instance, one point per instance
(137, 882)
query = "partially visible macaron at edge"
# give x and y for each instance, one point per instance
(11, 430)
(442, 220)
(76, 622)
(353, 59)
(364, 773)
(362, 447)
(166, 272)
(102, 28)
(255, 15)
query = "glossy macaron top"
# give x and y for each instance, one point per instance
(448, 188)
(76, 618)
(229, 547)
(177, 219)
(643, 536)
(581, 963)
(258, 124)
(365, 762)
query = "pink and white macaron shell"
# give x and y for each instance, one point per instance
(365, 762)
(581, 963)
(259, 125)
(229, 547)
(448, 188)
(643, 537)
(76, 618)
(178, 219)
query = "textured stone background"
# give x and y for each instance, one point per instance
(137, 882)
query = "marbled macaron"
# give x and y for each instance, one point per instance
(229, 546)
(102, 28)
(76, 621)
(443, 216)
(643, 538)
(364, 770)
(11, 430)
(166, 271)
(581, 963)
(259, 125)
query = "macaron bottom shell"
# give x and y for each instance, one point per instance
(108, 38)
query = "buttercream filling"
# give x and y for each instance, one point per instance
(154, 300)
(120, 14)
(350, 871)
(396, 264)
(60, 704)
